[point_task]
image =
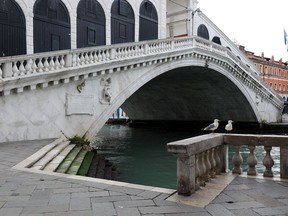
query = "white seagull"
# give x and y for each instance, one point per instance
(229, 126)
(212, 127)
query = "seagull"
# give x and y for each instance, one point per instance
(212, 127)
(229, 127)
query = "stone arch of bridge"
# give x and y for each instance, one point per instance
(157, 71)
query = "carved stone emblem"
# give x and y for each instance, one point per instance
(106, 94)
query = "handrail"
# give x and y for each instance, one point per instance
(202, 158)
(18, 67)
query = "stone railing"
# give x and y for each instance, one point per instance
(57, 66)
(204, 157)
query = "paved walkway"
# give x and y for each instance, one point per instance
(25, 193)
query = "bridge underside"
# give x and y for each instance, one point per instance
(189, 94)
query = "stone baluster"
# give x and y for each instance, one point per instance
(22, 68)
(92, 57)
(129, 51)
(74, 59)
(28, 66)
(237, 161)
(212, 162)
(82, 59)
(87, 58)
(268, 162)
(107, 55)
(46, 65)
(66, 61)
(197, 172)
(207, 176)
(15, 70)
(34, 66)
(1, 72)
(202, 169)
(52, 63)
(57, 63)
(40, 66)
(217, 160)
(100, 57)
(251, 161)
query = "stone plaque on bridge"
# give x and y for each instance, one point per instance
(79, 104)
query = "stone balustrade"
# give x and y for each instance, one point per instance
(201, 158)
(27, 72)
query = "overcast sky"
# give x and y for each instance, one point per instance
(256, 24)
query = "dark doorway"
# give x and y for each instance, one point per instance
(148, 21)
(51, 26)
(122, 22)
(90, 24)
(12, 29)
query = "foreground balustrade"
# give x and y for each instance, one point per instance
(202, 158)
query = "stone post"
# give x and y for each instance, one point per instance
(7, 69)
(112, 53)
(284, 162)
(186, 174)
(68, 60)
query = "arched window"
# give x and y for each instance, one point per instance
(51, 26)
(90, 24)
(122, 22)
(203, 32)
(216, 40)
(148, 21)
(12, 29)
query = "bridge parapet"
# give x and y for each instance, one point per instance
(201, 158)
(19, 73)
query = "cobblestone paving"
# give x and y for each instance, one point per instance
(25, 193)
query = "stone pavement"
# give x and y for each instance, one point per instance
(25, 193)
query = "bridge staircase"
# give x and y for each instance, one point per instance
(68, 158)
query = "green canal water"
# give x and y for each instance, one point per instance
(141, 157)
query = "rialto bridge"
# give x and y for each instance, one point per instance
(189, 78)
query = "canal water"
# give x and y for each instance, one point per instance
(141, 157)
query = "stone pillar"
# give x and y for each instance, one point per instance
(7, 69)
(186, 175)
(284, 162)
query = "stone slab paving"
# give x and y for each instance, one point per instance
(24, 193)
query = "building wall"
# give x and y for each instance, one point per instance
(28, 5)
(274, 73)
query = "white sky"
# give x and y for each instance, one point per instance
(256, 24)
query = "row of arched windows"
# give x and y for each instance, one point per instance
(203, 32)
(52, 25)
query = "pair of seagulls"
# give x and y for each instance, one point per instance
(212, 127)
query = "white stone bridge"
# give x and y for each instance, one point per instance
(73, 92)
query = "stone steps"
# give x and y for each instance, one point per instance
(54, 164)
(66, 163)
(49, 156)
(64, 157)
(76, 163)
